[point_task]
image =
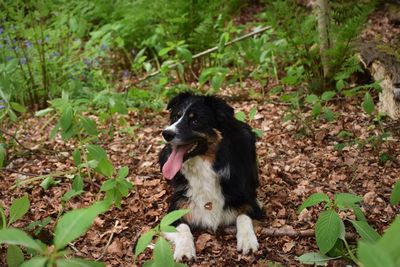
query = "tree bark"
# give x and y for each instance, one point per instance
(322, 10)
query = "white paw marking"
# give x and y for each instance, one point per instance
(246, 238)
(183, 241)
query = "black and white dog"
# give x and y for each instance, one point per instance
(210, 160)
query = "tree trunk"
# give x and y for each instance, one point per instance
(322, 10)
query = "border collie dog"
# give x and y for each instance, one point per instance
(210, 160)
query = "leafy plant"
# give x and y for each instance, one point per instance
(241, 116)
(162, 255)
(330, 230)
(70, 226)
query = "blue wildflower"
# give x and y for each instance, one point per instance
(103, 47)
(2, 106)
(87, 62)
(46, 38)
(27, 43)
(126, 73)
(8, 58)
(56, 54)
(1, 30)
(22, 60)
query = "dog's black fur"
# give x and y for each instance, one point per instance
(208, 118)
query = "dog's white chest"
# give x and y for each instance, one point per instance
(206, 200)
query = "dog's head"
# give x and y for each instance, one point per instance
(196, 122)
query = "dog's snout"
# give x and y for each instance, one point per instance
(168, 135)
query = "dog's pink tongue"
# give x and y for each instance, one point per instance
(174, 162)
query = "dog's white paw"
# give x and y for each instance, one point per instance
(183, 241)
(246, 238)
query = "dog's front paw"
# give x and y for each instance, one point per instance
(183, 241)
(246, 238)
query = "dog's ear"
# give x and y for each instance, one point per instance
(179, 98)
(223, 112)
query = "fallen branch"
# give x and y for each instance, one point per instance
(109, 241)
(208, 51)
(15, 139)
(279, 232)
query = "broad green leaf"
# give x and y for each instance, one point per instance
(328, 114)
(328, 95)
(18, 209)
(48, 182)
(173, 216)
(77, 184)
(216, 81)
(78, 263)
(144, 241)
(185, 54)
(89, 125)
(164, 51)
(359, 213)
(395, 196)
(316, 110)
(163, 253)
(108, 185)
(346, 200)
(366, 232)
(327, 230)
(54, 131)
(373, 255)
(104, 166)
(312, 99)
(12, 236)
(3, 155)
(252, 113)
(368, 104)
(123, 172)
(66, 118)
(241, 116)
(76, 155)
(18, 107)
(314, 258)
(70, 194)
(35, 262)
(390, 240)
(314, 199)
(43, 112)
(167, 228)
(75, 223)
(14, 256)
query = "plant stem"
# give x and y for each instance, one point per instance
(352, 256)
(41, 177)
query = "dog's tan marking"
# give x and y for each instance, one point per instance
(213, 143)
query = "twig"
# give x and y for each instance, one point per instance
(109, 240)
(41, 177)
(208, 51)
(279, 232)
(15, 139)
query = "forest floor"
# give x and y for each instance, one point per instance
(291, 167)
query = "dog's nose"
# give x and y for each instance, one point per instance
(168, 135)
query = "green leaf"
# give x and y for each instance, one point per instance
(75, 223)
(43, 112)
(314, 258)
(312, 200)
(372, 255)
(390, 240)
(395, 196)
(78, 263)
(173, 216)
(3, 155)
(12, 236)
(70, 194)
(366, 232)
(346, 200)
(104, 166)
(328, 95)
(76, 155)
(216, 81)
(327, 230)
(163, 253)
(15, 257)
(144, 241)
(108, 185)
(123, 172)
(252, 113)
(185, 54)
(164, 51)
(316, 110)
(258, 132)
(3, 219)
(35, 262)
(241, 116)
(66, 118)
(312, 99)
(167, 228)
(77, 184)
(18, 107)
(18, 209)
(359, 213)
(328, 114)
(48, 182)
(89, 125)
(368, 104)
